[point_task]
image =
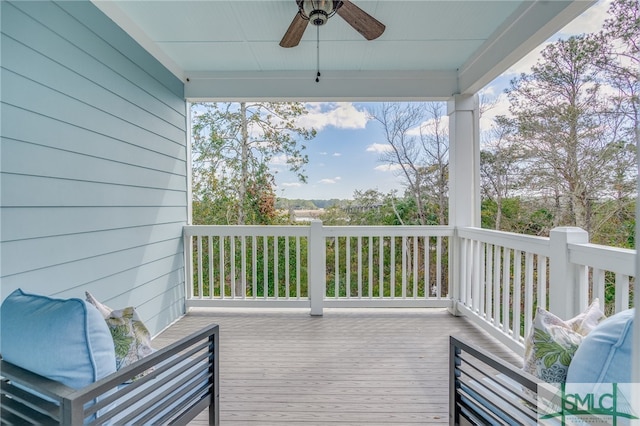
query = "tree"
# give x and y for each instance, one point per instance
(233, 145)
(499, 166)
(419, 149)
(434, 138)
(620, 61)
(560, 111)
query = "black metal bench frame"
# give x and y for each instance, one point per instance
(484, 389)
(179, 396)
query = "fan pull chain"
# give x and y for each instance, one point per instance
(318, 52)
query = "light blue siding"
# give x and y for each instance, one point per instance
(93, 162)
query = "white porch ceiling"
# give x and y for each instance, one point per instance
(228, 50)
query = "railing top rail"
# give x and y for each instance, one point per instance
(526, 243)
(246, 230)
(387, 231)
(614, 259)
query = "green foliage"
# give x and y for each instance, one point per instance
(286, 204)
(232, 146)
(382, 275)
(256, 268)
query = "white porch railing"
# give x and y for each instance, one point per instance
(501, 277)
(563, 274)
(317, 266)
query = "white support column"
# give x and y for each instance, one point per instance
(564, 294)
(189, 144)
(464, 161)
(317, 274)
(635, 355)
(464, 177)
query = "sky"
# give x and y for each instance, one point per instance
(345, 154)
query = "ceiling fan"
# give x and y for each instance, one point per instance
(319, 11)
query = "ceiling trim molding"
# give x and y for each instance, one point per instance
(333, 86)
(519, 35)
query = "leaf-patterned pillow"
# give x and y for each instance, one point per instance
(552, 342)
(131, 338)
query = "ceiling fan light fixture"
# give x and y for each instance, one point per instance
(318, 12)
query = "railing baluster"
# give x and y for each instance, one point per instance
(427, 272)
(392, 263)
(506, 286)
(464, 267)
(337, 268)
(359, 261)
(517, 293)
(212, 282)
(276, 277)
(497, 262)
(404, 268)
(598, 284)
(298, 261)
(381, 266)
(542, 282)
(243, 266)
(481, 282)
(583, 285)
(232, 265)
(528, 293)
(438, 266)
(188, 265)
(622, 292)
(200, 285)
(222, 262)
(265, 267)
(370, 270)
(416, 254)
(254, 266)
(489, 282)
(347, 253)
(475, 273)
(287, 263)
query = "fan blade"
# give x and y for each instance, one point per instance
(360, 20)
(295, 31)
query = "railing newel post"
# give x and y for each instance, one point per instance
(456, 272)
(317, 267)
(188, 266)
(564, 277)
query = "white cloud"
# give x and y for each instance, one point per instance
(589, 22)
(524, 65)
(387, 168)
(342, 115)
(337, 154)
(379, 147)
(291, 184)
(279, 160)
(330, 181)
(501, 107)
(428, 125)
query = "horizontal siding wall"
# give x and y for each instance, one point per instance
(93, 162)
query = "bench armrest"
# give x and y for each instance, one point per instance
(181, 380)
(484, 389)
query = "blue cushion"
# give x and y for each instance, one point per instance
(605, 354)
(66, 340)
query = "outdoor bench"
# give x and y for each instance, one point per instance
(183, 382)
(59, 365)
(486, 390)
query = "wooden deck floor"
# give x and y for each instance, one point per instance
(349, 367)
